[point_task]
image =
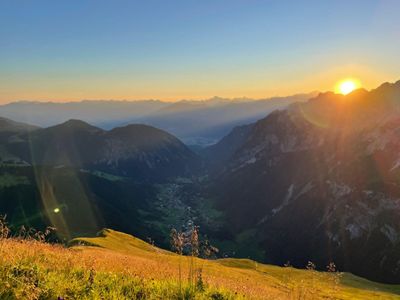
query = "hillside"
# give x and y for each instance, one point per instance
(10, 126)
(118, 266)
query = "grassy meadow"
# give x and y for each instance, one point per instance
(118, 266)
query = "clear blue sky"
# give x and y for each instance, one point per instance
(77, 49)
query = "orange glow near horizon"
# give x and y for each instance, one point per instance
(257, 85)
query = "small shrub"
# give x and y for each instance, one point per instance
(311, 266)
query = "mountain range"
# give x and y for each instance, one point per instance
(317, 180)
(195, 122)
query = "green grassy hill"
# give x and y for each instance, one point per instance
(115, 265)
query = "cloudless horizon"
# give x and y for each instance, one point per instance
(171, 50)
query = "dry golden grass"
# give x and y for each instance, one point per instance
(115, 255)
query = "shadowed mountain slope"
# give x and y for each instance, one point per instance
(320, 181)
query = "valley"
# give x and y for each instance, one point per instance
(199, 150)
(305, 183)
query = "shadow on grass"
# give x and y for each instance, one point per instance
(353, 281)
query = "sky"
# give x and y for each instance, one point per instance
(193, 49)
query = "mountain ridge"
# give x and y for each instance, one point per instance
(78, 144)
(329, 165)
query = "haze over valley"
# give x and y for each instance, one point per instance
(197, 123)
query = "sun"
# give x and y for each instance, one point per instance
(347, 86)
